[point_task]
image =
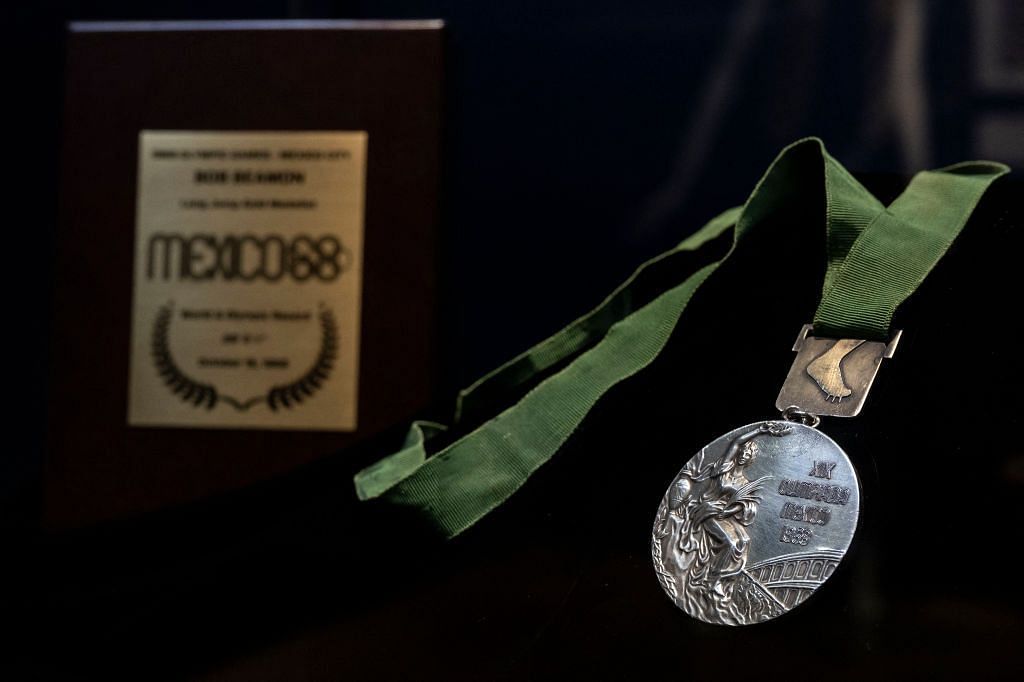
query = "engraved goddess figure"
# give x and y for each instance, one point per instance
(701, 535)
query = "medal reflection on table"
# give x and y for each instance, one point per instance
(761, 517)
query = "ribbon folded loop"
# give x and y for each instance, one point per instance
(877, 256)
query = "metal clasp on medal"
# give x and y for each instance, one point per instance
(793, 413)
(831, 377)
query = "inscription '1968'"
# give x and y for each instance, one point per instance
(795, 535)
(819, 492)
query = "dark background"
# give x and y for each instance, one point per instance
(582, 138)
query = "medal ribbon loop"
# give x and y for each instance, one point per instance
(877, 256)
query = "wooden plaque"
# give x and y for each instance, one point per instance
(241, 178)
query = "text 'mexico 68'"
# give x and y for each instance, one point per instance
(247, 257)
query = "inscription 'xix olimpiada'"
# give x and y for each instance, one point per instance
(755, 523)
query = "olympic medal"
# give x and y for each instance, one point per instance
(755, 523)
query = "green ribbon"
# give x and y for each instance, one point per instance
(877, 256)
(889, 257)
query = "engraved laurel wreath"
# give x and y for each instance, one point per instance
(207, 395)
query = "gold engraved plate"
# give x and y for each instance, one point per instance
(832, 377)
(247, 280)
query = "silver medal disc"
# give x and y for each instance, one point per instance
(755, 522)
